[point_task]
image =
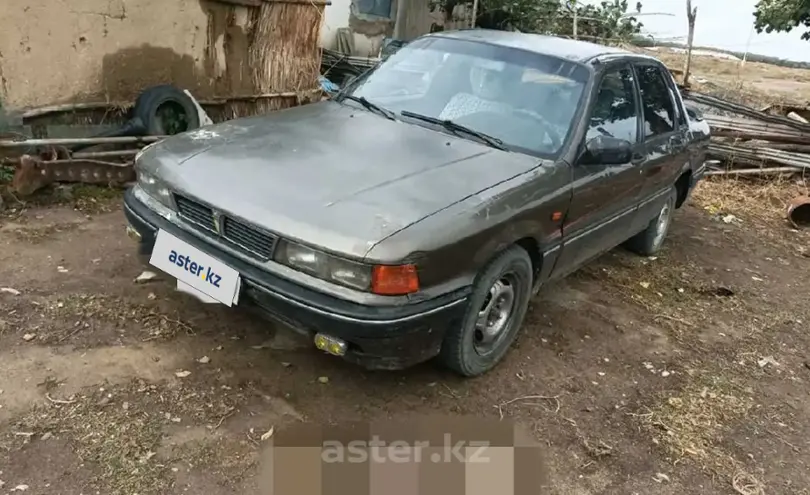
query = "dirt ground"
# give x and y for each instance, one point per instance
(684, 373)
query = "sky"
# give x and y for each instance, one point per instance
(721, 24)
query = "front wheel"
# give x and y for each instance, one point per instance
(650, 240)
(494, 315)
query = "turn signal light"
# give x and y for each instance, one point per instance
(133, 234)
(394, 280)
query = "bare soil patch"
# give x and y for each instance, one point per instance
(683, 373)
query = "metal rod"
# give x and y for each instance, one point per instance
(103, 154)
(91, 140)
(70, 107)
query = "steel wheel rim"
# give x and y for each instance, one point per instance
(662, 225)
(495, 316)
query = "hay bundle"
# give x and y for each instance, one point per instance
(283, 55)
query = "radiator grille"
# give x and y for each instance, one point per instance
(195, 212)
(252, 240)
(248, 237)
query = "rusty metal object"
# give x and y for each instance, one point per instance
(798, 212)
(33, 173)
(73, 141)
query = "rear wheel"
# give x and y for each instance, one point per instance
(494, 315)
(650, 240)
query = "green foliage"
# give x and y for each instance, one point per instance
(6, 173)
(606, 21)
(782, 16)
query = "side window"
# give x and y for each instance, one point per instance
(678, 108)
(656, 101)
(615, 113)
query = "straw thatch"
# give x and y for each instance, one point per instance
(283, 56)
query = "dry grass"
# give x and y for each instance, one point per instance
(92, 199)
(692, 422)
(121, 313)
(118, 441)
(763, 201)
(283, 56)
(692, 425)
(757, 84)
(673, 293)
(677, 295)
(119, 431)
(86, 198)
(37, 235)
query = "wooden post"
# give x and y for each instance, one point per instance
(691, 13)
(576, 19)
(747, 46)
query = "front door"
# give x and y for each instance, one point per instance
(605, 197)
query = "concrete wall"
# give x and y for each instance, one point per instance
(96, 50)
(89, 49)
(335, 16)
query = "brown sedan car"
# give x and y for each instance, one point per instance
(414, 215)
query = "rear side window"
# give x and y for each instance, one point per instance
(656, 100)
(614, 113)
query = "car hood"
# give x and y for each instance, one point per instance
(330, 174)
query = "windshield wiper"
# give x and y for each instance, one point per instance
(371, 106)
(457, 129)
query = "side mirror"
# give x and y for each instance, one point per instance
(606, 150)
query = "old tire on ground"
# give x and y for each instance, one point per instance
(495, 313)
(166, 110)
(649, 241)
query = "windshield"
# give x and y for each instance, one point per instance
(526, 100)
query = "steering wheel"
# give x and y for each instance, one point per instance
(547, 127)
(514, 122)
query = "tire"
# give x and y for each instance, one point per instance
(463, 349)
(166, 110)
(649, 241)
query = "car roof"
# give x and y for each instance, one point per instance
(578, 51)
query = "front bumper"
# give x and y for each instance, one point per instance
(378, 337)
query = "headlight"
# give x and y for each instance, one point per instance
(154, 187)
(324, 266)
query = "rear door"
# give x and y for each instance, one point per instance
(605, 197)
(664, 132)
